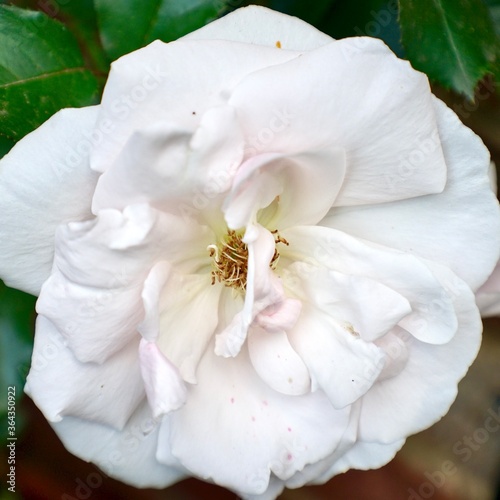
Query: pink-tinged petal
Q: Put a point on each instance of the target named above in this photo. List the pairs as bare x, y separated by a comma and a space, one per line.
459, 227
127, 455
433, 317
44, 181
255, 430
488, 296
276, 362
304, 186
280, 316
188, 318
379, 121
342, 365
60, 385
161, 82
367, 308
164, 386
260, 26
409, 402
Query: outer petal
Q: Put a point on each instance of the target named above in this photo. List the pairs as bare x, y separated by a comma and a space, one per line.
236, 430
409, 402
320, 105
61, 385
128, 455
459, 228
44, 181
260, 26
177, 82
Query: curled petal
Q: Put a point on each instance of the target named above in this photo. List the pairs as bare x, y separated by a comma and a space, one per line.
165, 388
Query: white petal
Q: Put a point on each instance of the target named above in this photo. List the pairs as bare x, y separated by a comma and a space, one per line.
61, 385
372, 105
235, 430
169, 167
148, 169
127, 455
304, 185
459, 227
188, 318
276, 363
44, 181
260, 26
179, 80
149, 328
433, 317
423, 391
368, 308
164, 386
343, 366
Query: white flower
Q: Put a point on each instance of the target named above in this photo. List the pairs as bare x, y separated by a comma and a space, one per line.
266, 247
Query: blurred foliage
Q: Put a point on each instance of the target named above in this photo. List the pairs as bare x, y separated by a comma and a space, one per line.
152, 19
453, 42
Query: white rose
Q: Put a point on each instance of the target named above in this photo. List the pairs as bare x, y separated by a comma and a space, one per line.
256, 258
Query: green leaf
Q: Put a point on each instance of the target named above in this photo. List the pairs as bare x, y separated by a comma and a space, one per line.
453, 42
6, 145
41, 71
127, 25
17, 313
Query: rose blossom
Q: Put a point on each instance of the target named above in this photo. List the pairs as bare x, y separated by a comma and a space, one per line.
256, 258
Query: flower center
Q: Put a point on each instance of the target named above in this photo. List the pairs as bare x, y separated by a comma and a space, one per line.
230, 259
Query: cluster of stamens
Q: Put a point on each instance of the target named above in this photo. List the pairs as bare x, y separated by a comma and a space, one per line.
231, 260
